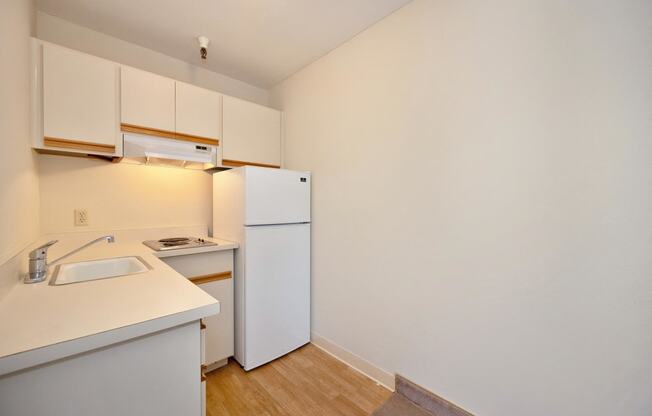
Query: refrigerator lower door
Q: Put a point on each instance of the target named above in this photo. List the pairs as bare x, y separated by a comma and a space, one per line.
276, 292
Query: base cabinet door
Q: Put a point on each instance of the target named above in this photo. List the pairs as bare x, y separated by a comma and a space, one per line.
219, 328
213, 273
153, 375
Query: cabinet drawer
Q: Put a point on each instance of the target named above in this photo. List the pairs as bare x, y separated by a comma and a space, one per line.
202, 264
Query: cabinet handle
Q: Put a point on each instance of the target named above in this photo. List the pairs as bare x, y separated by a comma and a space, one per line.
202, 372
200, 280
78, 145
202, 325
238, 163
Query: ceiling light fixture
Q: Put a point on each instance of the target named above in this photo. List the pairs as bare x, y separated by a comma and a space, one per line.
203, 46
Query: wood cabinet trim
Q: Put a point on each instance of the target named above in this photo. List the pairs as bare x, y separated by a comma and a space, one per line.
202, 372
77, 145
206, 278
131, 128
239, 163
112, 159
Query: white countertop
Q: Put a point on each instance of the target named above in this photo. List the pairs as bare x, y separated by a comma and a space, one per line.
40, 323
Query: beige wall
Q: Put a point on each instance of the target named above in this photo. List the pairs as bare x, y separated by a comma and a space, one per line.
65, 33
482, 201
18, 176
120, 196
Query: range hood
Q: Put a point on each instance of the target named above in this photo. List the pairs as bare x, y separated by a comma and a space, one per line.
158, 151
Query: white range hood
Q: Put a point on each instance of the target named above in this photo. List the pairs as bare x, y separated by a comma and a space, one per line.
159, 151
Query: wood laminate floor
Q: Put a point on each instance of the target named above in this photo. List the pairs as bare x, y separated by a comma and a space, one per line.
305, 382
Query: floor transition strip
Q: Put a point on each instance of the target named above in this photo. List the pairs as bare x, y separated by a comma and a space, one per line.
413, 400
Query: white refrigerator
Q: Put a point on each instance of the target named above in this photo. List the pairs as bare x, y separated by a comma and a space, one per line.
267, 212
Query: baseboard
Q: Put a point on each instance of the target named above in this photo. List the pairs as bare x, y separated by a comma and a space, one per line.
370, 370
427, 400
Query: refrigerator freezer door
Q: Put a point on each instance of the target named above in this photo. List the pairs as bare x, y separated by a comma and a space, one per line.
276, 196
277, 292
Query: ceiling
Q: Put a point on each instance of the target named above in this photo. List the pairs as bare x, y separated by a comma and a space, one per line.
260, 42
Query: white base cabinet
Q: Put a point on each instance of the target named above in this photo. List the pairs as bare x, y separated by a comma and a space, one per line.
158, 375
213, 272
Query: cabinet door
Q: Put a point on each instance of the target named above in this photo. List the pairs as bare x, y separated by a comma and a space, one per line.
219, 328
212, 272
80, 101
147, 100
198, 112
251, 134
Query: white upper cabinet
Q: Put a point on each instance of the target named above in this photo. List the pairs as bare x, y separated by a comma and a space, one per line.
251, 134
147, 100
80, 101
81, 104
198, 112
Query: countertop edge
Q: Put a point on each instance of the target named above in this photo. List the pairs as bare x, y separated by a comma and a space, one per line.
27, 359
194, 250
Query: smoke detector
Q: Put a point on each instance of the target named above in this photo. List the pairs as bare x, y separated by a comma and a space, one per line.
203, 46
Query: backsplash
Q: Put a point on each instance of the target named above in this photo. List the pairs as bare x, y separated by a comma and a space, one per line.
118, 196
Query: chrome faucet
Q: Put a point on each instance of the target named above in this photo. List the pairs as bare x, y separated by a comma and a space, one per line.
38, 263
38, 259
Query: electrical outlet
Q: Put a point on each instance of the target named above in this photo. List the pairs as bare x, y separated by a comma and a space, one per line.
81, 217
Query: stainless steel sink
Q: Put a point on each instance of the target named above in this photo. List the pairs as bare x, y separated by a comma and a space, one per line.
85, 271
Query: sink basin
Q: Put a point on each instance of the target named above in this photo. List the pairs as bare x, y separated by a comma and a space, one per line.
98, 269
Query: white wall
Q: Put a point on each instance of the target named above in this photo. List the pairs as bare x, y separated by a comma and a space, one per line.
18, 176
121, 196
482, 201
65, 33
